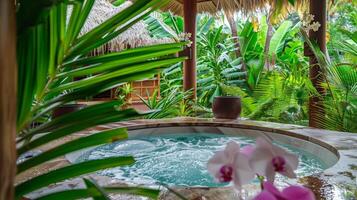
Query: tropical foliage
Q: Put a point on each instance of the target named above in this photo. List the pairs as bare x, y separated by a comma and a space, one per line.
340, 102
216, 65
173, 104
271, 73
51, 56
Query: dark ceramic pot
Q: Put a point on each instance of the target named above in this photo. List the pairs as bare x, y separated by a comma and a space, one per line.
67, 108
226, 107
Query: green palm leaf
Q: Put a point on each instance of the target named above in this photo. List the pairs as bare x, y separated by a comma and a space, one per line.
89, 192
51, 53
70, 172
277, 39
78, 144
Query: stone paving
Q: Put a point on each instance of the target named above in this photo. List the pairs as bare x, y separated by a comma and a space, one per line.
336, 182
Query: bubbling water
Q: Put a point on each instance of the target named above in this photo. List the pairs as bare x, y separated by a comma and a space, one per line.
180, 159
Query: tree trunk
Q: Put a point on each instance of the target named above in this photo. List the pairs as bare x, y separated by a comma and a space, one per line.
8, 82
267, 44
316, 107
233, 26
189, 67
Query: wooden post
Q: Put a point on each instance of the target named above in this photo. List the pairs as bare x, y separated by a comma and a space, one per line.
189, 70
8, 84
316, 108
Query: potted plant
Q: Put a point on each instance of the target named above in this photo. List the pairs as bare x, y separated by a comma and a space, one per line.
226, 107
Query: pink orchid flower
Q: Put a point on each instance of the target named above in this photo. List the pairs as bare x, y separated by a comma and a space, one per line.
270, 192
231, 165
248, 150
268, 159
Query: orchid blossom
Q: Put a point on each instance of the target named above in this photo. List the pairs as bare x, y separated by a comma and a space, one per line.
247, 150
231, 165
270, 192
239, 165
268, 159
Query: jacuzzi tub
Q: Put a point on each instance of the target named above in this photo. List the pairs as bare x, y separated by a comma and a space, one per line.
140, 136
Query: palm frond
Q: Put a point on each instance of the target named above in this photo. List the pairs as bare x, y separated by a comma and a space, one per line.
53, 56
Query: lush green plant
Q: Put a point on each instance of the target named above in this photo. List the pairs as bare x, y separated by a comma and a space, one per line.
171, 78
276, 86
277, 83
345, 50
251, 44
342, 16
258, 54
122, 94
274, 99
173, 104
164, 25
219, 67
51, 54
340, 83
277, 75
170, 26
340, 104
282, 94
216, 65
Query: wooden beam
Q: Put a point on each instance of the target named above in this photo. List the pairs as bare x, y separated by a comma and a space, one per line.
8, 85
316, 108
189, 71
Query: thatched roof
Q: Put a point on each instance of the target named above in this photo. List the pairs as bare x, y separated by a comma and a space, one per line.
213, 6
136, 36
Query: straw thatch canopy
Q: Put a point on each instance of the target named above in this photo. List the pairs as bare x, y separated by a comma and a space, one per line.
213, 6
136, 36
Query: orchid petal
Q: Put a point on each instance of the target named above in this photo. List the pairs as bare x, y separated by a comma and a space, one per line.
298, 193
288, 172
231, 150
264, 195
269, 186
270, 173
218, 160
291, 162
243, 172
260, 160
267, 159
223, 158
248, 150
291, 159
262, 142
